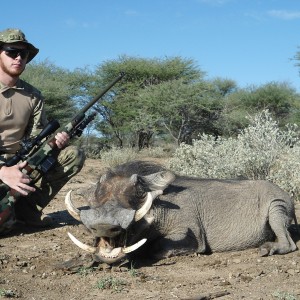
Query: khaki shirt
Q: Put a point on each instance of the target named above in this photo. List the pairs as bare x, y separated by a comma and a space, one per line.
21, 115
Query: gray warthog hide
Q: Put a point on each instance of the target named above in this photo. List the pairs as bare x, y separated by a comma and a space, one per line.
141, 203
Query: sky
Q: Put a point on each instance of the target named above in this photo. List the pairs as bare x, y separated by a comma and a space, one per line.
252, 42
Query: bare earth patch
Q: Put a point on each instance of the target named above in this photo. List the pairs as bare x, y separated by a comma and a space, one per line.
45, 264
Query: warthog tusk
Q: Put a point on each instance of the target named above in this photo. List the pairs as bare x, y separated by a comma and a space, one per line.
113, 253
140, 213
73, 211
81, 245
134, 246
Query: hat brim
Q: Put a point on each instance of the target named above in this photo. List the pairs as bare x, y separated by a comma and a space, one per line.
32, 50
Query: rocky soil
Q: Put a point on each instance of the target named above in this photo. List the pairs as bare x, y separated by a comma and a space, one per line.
45, 264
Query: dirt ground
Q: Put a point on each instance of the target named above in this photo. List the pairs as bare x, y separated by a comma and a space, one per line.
45, 264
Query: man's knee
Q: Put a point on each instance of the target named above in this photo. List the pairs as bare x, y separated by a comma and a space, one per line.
72, 159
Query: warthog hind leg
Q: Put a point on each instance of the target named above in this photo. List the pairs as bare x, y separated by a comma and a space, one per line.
279, 221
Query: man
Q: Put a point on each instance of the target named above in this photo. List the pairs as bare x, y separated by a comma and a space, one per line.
22, 115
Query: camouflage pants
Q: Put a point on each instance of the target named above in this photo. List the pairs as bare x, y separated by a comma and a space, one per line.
69, 163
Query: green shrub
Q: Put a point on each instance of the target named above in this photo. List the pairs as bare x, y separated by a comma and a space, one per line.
8, 293
284, 296
111, 283
260, 151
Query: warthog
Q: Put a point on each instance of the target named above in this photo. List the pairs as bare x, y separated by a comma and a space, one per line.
142, 204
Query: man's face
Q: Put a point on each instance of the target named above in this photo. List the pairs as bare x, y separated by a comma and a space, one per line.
13, 59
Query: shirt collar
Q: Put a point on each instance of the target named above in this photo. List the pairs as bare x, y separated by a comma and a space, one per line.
4, 87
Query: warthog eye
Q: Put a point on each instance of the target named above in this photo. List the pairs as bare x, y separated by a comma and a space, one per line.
140, 192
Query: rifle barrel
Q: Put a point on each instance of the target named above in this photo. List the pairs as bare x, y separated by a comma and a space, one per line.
96, 98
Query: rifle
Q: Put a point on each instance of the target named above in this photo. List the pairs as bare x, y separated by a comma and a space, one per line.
41, 151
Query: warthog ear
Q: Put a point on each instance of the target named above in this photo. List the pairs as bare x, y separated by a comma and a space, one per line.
134, 179
157, 181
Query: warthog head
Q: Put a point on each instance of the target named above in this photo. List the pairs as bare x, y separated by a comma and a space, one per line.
120, 209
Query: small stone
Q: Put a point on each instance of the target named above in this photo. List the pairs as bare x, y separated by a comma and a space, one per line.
291, 272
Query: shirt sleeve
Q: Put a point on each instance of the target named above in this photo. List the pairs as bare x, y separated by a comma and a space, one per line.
38, 118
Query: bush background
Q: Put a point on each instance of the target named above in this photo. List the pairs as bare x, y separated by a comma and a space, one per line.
260, 151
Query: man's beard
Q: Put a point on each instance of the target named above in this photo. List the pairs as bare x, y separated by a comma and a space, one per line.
12, 73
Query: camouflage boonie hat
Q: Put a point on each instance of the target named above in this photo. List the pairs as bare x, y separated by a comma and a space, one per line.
10, 35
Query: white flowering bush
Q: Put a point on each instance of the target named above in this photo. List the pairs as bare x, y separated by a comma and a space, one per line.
207, 157
260, 151
285, 171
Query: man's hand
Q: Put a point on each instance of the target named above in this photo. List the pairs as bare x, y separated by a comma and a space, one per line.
62, 140
15, 179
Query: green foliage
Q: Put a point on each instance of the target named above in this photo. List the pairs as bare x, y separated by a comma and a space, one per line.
132, 271
84, 271
224, 86
276, 97
232, 117
142, 72
171, 98
8, 293
123, 112
297, 58
260, 151
167, 98
59, 87
111, 283
182, 110
284, 296
279, 98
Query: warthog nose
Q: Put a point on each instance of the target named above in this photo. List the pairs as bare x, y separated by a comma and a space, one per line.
106, 230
